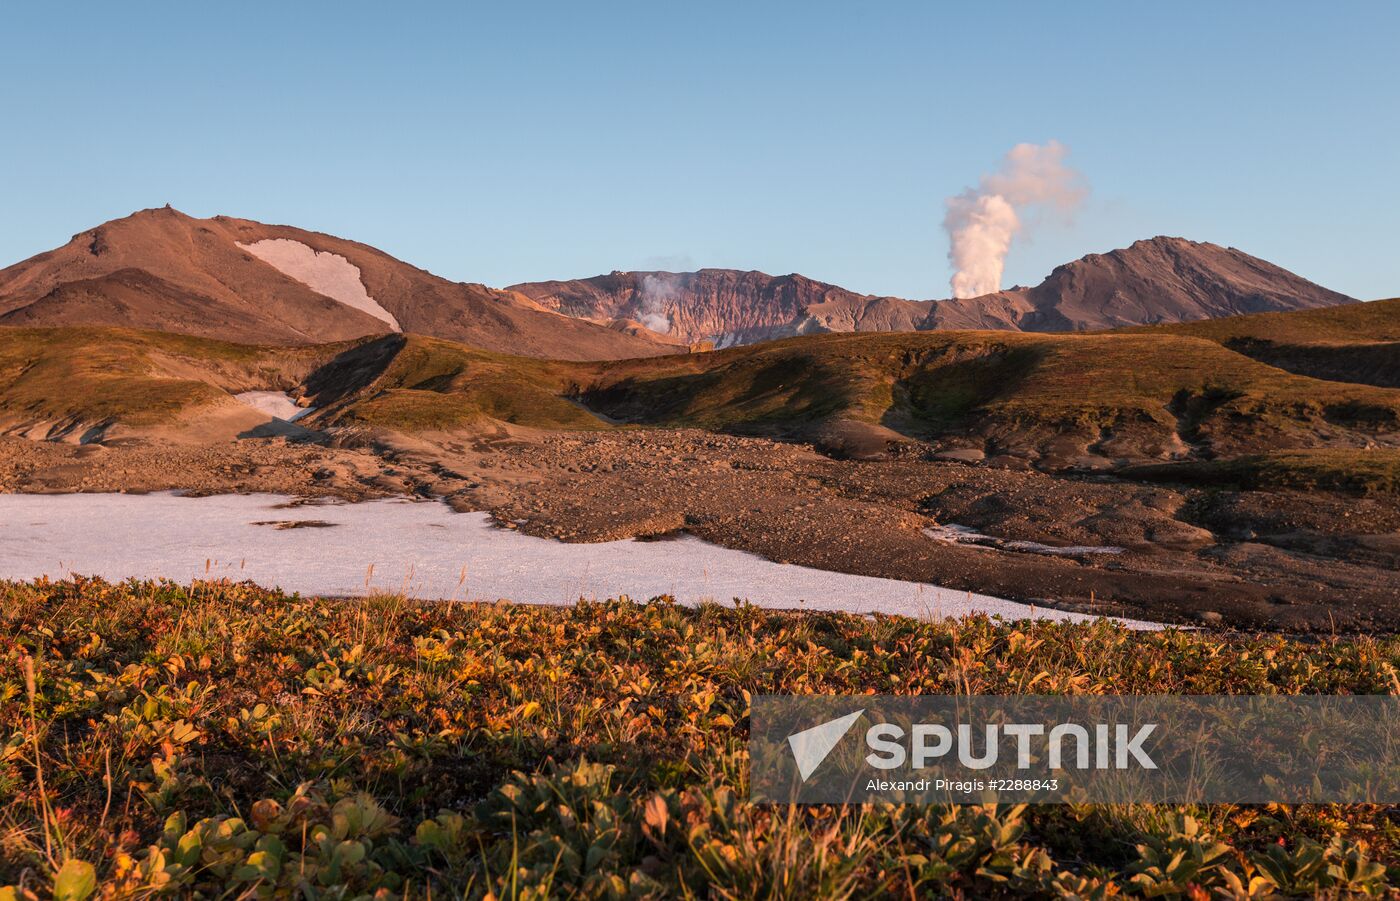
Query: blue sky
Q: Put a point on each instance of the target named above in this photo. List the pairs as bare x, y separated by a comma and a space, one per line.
509, 142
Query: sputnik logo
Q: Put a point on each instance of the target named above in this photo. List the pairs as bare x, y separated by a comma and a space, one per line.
811, 746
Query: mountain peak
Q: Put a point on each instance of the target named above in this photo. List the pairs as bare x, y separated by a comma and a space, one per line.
162, 269
152, 213
1166, 279
1157, 279
1166, 241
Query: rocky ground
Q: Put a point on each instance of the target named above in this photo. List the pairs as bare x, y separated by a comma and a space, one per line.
258, 465
1211, 557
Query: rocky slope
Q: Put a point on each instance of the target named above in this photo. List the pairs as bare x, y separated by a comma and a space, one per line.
1159, 280
725, 306
245, 281
1153, 281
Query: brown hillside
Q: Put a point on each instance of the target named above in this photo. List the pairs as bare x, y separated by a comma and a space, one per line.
161, 269
1154, 281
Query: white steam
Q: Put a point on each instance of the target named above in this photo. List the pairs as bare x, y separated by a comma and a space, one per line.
657, 291
982, 222
980, 229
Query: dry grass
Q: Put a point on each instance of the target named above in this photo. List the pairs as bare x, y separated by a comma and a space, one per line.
1146, 387
1364, 323
434, 385
134, 377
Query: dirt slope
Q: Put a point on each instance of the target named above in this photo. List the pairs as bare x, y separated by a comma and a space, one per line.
161, 269
471, 314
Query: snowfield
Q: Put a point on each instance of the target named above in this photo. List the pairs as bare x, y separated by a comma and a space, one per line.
423, 549
274, 403
325, 273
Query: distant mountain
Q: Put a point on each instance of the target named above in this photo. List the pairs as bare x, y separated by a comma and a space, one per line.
725, 306
1154, 281
1159, 280
244, 281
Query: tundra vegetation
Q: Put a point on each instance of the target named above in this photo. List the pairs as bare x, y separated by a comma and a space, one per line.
1202, 392
221, 740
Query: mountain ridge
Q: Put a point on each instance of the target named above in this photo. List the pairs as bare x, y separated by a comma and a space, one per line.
162, 269
1154, 280
248, 281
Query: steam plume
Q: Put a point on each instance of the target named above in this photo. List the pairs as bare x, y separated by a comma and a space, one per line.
982, 222
657, 291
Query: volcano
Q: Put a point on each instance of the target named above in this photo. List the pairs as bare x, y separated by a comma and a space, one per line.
1160, 280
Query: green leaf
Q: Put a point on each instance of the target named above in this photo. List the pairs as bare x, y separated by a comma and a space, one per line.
75, 881
188, 848
175, 825
261, 865
429, 833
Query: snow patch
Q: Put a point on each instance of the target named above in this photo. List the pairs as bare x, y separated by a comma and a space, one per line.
321, 271
425, 550
277, 404
952, 533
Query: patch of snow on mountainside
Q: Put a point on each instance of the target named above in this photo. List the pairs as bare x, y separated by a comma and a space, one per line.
273, 403
325, 273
